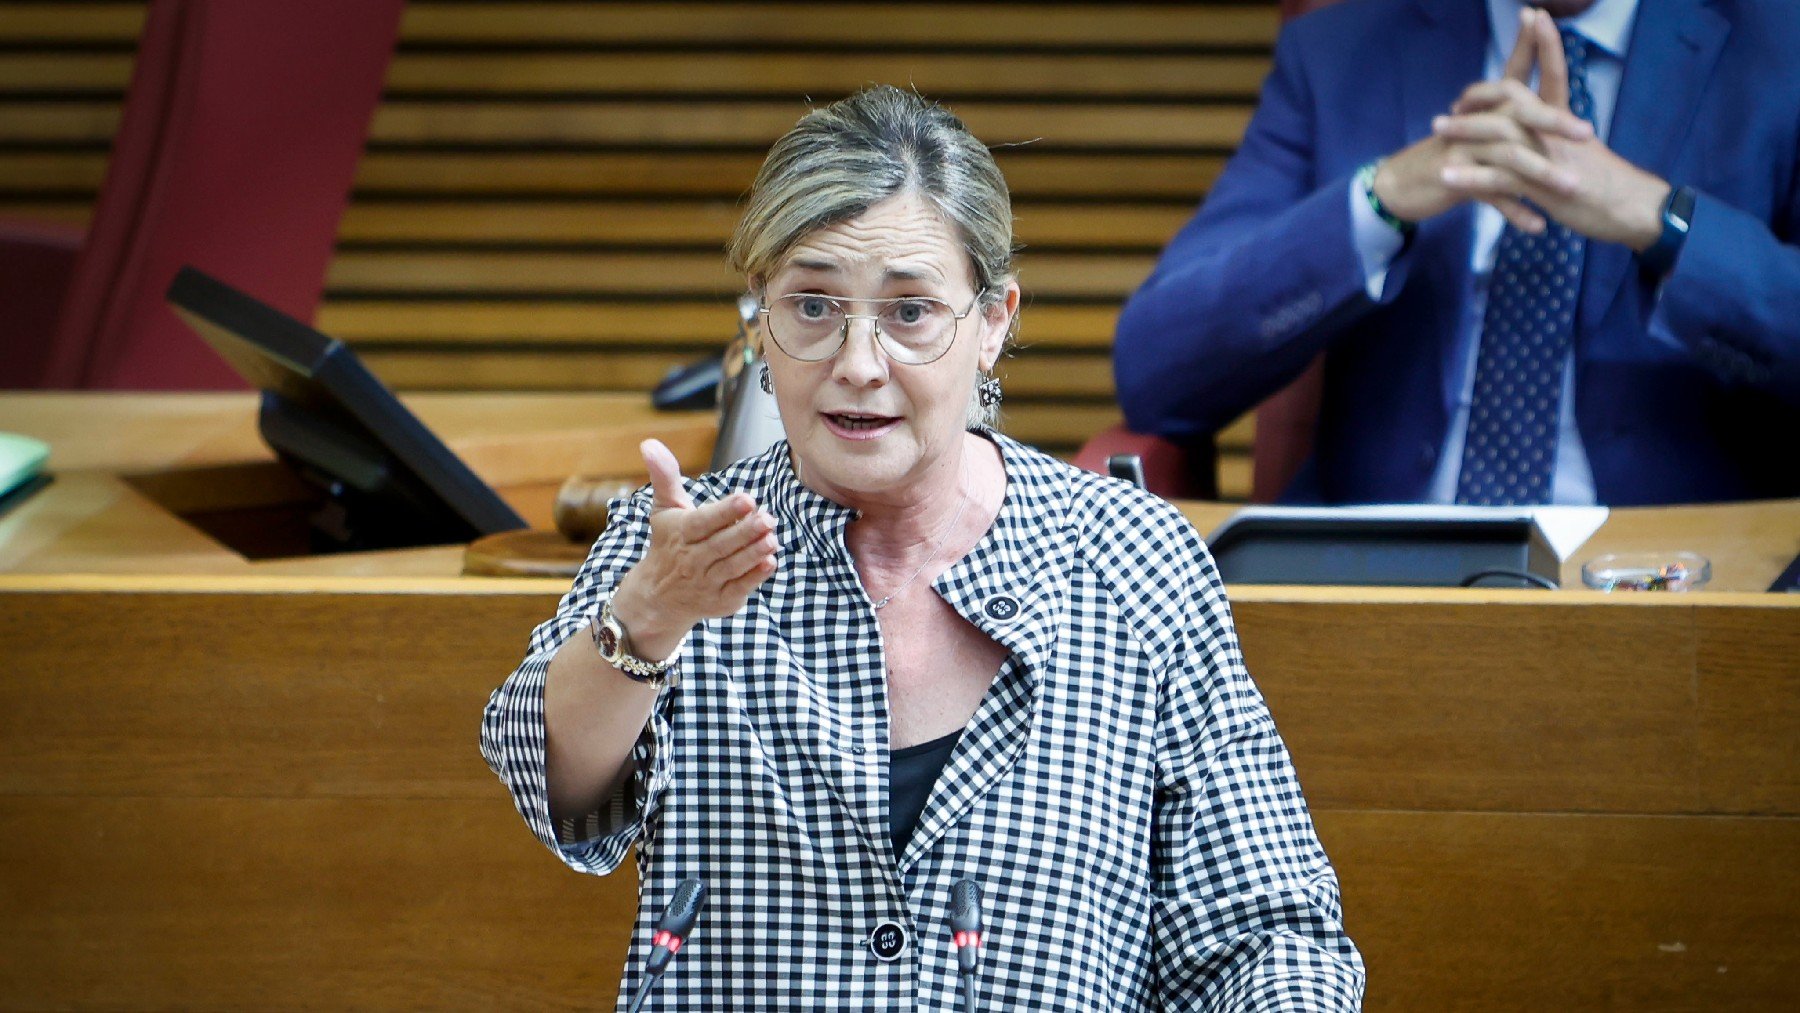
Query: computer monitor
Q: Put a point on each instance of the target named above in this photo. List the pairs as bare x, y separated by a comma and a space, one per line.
387, 481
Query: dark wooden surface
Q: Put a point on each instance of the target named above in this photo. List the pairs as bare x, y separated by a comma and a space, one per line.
232, 793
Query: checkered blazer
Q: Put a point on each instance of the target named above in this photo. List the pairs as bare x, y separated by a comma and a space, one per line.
1121, 794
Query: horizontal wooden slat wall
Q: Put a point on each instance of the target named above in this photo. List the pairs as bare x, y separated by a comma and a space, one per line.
548, 186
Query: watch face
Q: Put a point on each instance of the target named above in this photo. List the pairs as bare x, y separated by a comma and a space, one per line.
608, 639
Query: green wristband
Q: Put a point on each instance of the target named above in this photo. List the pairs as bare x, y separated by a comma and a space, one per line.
1365, 177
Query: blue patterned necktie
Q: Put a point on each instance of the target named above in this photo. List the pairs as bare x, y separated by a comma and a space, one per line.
1510, 453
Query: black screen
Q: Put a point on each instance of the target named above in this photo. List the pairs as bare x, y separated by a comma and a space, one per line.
388, 482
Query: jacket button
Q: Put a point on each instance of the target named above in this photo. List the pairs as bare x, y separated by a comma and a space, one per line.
887, 942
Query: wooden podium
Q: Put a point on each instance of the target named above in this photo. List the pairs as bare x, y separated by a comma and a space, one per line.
237, 783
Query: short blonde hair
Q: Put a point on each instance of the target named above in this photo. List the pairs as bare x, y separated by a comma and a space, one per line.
843, 159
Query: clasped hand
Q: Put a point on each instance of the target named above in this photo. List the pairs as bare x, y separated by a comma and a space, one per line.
1502, 143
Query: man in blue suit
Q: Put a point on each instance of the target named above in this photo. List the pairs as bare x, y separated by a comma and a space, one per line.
1582, 291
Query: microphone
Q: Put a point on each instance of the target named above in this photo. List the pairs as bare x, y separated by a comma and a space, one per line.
965, 921
672, 930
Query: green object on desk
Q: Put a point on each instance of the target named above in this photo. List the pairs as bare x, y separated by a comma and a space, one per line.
21, 460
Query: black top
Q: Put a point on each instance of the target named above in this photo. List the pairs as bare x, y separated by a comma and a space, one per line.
911, 773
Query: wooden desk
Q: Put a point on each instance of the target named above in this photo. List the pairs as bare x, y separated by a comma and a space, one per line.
258, 788
127, 465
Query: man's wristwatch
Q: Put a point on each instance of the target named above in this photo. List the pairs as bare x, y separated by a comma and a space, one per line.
1677, 216
615, 649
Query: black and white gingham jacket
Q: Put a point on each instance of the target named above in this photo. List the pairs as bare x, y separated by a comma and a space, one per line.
1121, 794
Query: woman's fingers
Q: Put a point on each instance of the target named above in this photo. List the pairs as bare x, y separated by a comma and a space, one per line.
744, 560
696, 552
700, 524
741, 532
706, 559
740, 588
665, 476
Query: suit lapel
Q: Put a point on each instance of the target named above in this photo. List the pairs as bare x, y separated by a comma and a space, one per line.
1673, 51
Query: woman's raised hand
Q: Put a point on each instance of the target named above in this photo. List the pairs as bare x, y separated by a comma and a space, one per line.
702, 563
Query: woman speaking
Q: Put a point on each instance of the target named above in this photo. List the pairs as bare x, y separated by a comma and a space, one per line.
899, 651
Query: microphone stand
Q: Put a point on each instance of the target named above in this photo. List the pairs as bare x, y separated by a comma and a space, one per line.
671, 931
965, 921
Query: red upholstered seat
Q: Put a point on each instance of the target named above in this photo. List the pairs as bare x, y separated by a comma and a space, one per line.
1170, 470
37, 259
235, 153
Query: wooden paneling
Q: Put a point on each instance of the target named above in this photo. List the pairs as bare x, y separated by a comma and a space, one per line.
237, 903
1538, 708
256, 794
391, 176
360, 714
228, 903
711, 124
674, 122
655, 222
1534, 706
703, 273
1030, 172
530, 154
851, 25
1080, 76
25, 123
69, 179
221, 903
28, 72
1545, 911
1749, 710
1083, 76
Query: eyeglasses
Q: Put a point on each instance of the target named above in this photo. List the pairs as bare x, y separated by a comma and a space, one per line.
913, 330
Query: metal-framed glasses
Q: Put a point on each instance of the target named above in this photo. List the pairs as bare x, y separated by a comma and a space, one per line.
914, 329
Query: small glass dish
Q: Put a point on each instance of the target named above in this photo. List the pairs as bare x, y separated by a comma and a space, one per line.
1646, 571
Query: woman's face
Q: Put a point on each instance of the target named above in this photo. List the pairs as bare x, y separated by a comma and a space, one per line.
861, 424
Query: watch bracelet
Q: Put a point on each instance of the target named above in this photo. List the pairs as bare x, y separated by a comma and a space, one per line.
633, 667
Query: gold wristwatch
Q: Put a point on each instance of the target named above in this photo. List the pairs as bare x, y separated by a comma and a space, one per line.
615, 649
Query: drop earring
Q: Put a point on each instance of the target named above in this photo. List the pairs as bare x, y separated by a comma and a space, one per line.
763, 381
988, 391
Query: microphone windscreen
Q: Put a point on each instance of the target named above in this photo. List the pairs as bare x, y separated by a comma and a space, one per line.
679, 917
965, 906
